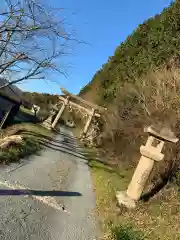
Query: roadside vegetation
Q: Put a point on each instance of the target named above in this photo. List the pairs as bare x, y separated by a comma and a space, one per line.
154, 99
26, 110
158, 218
31, 144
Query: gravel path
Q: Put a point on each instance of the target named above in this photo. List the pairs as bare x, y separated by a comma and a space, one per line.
49, 196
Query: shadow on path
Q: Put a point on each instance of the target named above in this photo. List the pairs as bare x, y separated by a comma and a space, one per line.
67, 145
12, 192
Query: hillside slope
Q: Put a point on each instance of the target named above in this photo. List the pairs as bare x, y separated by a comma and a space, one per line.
140, 85
152, 44
41, 99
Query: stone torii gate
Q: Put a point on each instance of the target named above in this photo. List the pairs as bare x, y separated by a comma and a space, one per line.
90, 108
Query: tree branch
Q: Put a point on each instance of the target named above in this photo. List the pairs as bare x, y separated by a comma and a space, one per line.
33, 39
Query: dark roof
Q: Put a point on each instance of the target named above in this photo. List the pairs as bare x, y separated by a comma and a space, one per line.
12, 91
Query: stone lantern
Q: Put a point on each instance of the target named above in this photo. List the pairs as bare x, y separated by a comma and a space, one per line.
150, 153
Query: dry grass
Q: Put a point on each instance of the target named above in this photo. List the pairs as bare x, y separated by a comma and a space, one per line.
157, 219
26, 110
153, 99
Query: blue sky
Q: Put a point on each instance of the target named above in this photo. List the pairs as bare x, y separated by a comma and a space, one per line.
103, 24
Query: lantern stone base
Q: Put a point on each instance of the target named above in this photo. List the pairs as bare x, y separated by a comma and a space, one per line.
124, 199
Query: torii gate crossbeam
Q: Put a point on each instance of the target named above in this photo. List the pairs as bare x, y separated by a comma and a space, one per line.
91, 112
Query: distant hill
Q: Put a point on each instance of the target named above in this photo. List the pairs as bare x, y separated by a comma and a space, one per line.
41, 99
44, 100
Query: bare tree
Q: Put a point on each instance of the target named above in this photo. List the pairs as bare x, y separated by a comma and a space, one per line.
33, 38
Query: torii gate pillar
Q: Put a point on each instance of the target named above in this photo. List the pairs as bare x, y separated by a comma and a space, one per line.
88, 123
65, 103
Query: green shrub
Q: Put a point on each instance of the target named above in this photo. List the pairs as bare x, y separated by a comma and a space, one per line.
29, 146
125, 233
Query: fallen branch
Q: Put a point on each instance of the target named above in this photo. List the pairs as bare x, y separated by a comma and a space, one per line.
7, 141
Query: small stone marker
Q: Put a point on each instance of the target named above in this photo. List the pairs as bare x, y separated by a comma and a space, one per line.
151, 152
